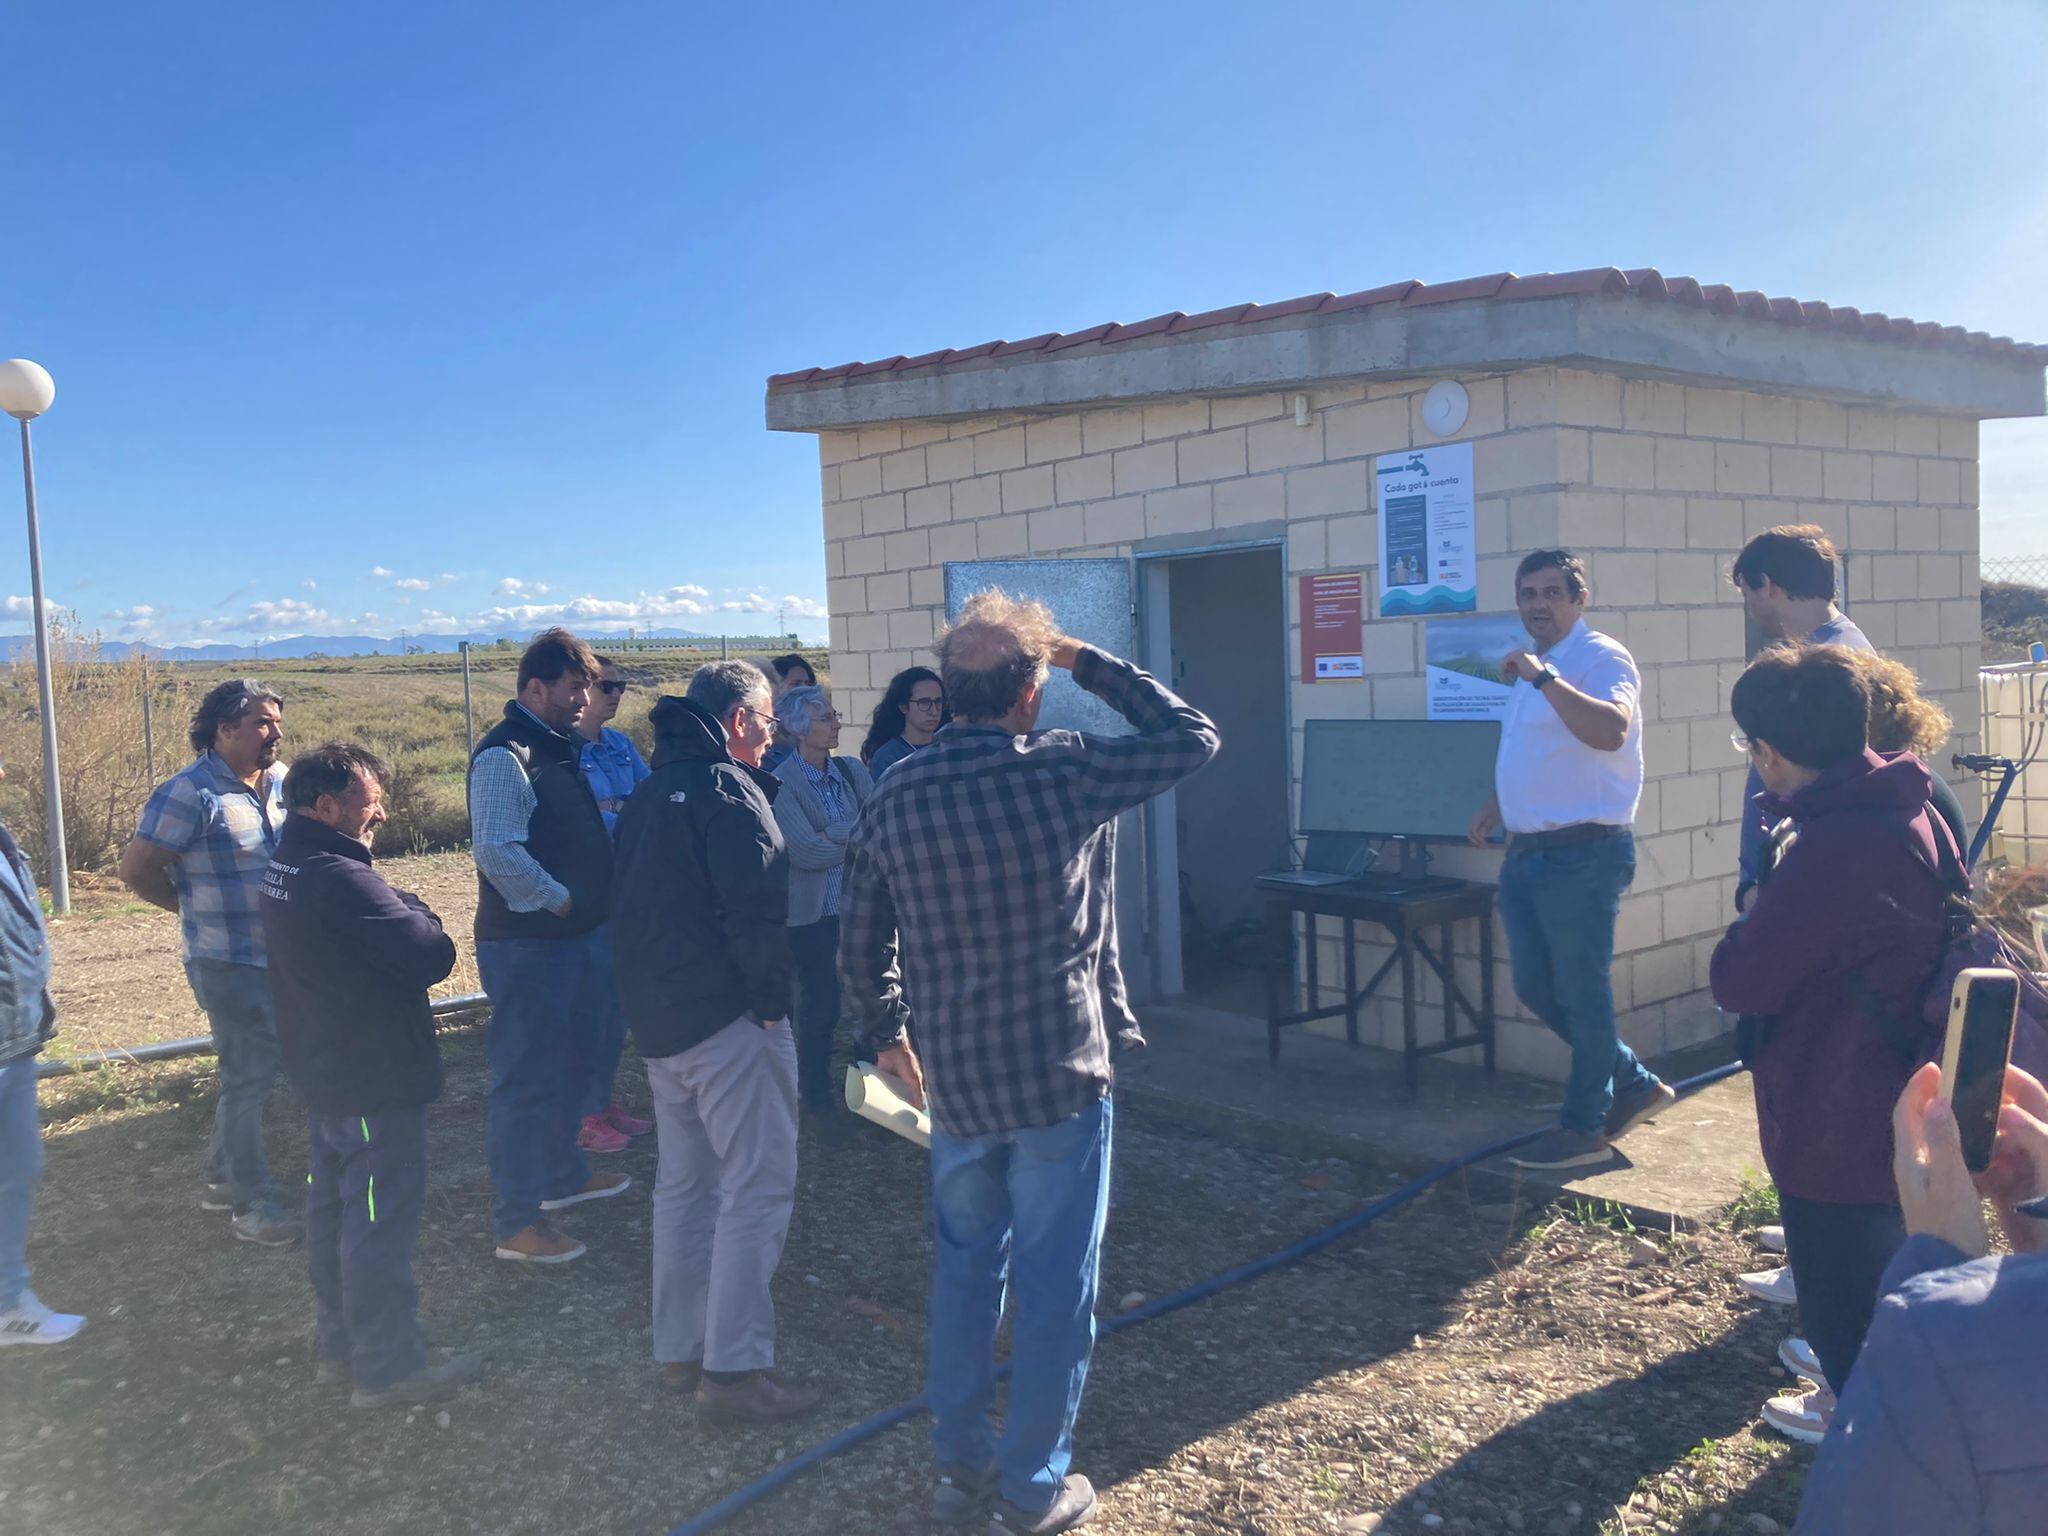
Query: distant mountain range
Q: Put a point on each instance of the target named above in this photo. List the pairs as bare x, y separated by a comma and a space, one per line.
298, 647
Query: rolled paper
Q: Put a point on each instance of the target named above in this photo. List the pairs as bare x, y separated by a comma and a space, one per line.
876, 1095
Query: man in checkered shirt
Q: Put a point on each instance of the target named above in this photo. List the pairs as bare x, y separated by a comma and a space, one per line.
987, 862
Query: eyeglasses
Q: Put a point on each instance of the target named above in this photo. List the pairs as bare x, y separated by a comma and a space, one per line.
1742, 742
760, 715
613, 689
925, 704
831, 717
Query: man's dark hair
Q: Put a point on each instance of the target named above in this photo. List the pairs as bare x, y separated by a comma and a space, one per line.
224, 704
1799, 557
1564, 560
331, 768
1810, 702
784, 665
553, 653
720, 686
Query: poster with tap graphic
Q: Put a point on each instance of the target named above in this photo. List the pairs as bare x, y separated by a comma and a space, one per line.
1429, 560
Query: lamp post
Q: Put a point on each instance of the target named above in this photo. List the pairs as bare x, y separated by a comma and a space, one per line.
26, 391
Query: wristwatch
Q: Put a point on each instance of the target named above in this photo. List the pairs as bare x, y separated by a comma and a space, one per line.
1544, 678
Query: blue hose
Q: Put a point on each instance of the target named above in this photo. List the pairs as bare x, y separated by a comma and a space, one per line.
771, 1482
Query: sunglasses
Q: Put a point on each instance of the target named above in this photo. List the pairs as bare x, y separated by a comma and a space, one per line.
613, 690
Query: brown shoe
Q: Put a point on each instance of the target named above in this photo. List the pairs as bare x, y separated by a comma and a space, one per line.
763, 1398
682, 1376
602, 1186
1627, 1113
540, 1244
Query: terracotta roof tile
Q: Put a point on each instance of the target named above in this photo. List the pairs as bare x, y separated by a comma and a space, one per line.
1643, 283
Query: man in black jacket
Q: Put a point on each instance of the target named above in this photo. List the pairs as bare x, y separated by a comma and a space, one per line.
700, 904
351, 960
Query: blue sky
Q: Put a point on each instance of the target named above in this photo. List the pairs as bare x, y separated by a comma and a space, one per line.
471, 294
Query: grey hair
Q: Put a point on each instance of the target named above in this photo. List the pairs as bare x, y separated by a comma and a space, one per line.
224, 704
720, 687
800, 708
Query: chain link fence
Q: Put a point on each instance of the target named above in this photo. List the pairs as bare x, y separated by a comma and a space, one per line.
2027, 570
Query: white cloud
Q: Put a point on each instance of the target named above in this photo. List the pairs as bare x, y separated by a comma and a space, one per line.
448, 578
382, 573
412, 584
286, 615
310, 584
512, 586
598, 613
25, 607
806, 608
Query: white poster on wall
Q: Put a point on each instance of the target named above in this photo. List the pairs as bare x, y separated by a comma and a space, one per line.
1462, 664
1429, 561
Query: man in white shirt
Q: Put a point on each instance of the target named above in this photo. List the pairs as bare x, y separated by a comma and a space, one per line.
1566, 784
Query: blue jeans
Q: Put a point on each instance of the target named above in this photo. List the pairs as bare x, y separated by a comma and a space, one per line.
816, 949
366, 1187
547, 1002
244, 1025
608, 1038
1558, 906
21, 1164
1028, 1207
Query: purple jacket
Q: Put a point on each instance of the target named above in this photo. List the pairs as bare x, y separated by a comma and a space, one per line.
1941, 1426
1847, 930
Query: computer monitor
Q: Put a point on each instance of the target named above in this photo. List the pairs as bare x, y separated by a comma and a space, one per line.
1411, 779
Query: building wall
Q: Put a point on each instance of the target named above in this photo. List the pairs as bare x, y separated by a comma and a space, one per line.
1657, 484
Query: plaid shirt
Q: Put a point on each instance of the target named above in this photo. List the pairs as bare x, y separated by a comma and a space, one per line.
988, 857
224, 833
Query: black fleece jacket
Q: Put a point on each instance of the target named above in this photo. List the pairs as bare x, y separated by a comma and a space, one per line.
700, 893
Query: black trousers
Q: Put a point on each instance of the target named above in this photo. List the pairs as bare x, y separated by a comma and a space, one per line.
1838, 1254
367, 1186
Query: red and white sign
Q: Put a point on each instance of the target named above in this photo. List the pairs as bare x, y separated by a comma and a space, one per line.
1333, 627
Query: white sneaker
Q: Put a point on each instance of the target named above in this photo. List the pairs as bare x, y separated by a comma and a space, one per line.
1797, 1356
1772, 1285
30, 1322
1802, 1416
1771, 1239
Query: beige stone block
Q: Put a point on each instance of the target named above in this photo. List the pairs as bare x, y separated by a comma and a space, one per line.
1390, 645
1624, 460
997, 451
954, 541
1176, 418
1622, 578
1353, 541
928, 586
865, 555
844, 595
950, 460
1640, 923
1940, 482
828, 483
837, 447
1307, 547
1487, 412
1372, 427
1257, 499
1211, 456
1959, 529
1962, 620
1116, 522
875, 440
1918, 623
901, 471
835, 559
980, 497
1872, 528
1656, 636
848, 670
1663, 861
1650, 406
1054, 437
1102, 431
973, 427
1661, 973
1692, 800
1335, 394
1713, 413
1282, 444
1497, 582
1845, 476
1713, 523
842, 520
1870, 429
1717, 633
1690, 692
1515, 461
1058, 528
1398, 698
1185, 509
907, 549
1001, 537
888, 591
1795, 472
1328, 490
868, 631
1532, 398
1823, 424
1832, 517
1916, 434
1585, 399
1856, 582
1759, 513
1770, 418
1893, 478
1684, 464
1025, 490
1654, 520
1742, 469
1958, 437
1968, 477
1919, 527
928, 504
1588, 520
1574, 463
882, 514
910, 628
1879, 623
1534, 520
1690, 577
1149, 468
1940, 576
1713, 849
1237, 410
917, 433
1892, 577
1490, 524
860, 478
1667, 748
1089, 479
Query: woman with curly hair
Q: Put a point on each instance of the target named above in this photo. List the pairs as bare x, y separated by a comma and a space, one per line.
1903, 720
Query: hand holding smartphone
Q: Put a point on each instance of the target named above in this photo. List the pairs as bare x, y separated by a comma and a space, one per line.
1982, 1010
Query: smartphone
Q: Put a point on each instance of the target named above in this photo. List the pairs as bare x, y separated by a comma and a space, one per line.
1981, 1013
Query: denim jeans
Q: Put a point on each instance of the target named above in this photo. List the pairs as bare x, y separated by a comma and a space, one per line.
1558, 906
1026, 1207
366, 1187
547, 1001
239, 1012
816, 948
608, 1039
1838, 1255
21, 1164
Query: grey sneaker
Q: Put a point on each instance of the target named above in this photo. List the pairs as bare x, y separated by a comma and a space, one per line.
1074, 1505
1562, 1149
216, 1197
438, 1378
961, 1495
265, 1226
1628, 1112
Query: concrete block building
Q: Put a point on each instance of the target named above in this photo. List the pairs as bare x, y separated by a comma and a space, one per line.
1650, 424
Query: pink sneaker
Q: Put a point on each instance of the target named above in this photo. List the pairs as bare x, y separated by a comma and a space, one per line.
625, 1124
597, 1136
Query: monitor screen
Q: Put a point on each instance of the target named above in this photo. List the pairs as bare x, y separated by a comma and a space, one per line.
1396, 778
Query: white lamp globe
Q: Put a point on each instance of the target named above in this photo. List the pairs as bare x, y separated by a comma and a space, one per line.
26, 389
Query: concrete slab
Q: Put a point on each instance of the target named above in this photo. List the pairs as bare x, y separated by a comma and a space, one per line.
1208, 1070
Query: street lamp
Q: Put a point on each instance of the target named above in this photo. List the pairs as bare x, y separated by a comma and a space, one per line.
26, 391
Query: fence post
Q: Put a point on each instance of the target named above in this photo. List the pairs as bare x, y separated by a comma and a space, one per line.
723, 653
148, 736
468, 714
